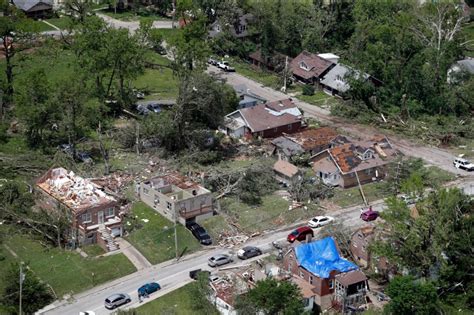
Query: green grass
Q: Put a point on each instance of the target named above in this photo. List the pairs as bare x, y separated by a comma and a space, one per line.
160, 83
468, 31
351, 196
15, 145
177, 302
62, 22
264, 77
39, 26
435, 176
93, 250
215, 226
317, 98
6, 259
132, 16
272, 212
155, 239
67, 271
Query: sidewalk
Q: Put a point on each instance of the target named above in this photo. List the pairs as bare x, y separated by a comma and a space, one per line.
138, 260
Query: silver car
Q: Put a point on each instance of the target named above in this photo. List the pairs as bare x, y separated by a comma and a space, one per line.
219, 260
116, 300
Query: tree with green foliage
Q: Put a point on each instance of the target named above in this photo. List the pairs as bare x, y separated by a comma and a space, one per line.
435, 244
16, 34
408, 296
271, 297
199, 292
35, 293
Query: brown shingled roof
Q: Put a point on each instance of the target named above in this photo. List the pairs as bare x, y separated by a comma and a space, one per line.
351, 277
285, 168
259, 117
316, 65
313, 137
345, 157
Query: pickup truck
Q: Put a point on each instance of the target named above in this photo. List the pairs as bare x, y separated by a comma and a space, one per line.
224, 65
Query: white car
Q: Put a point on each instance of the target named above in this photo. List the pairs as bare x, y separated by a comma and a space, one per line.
463, 164
224, 65
320, 221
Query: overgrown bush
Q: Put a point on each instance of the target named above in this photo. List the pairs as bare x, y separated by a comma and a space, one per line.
308, 89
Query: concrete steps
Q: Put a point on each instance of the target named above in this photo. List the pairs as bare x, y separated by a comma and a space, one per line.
110, 242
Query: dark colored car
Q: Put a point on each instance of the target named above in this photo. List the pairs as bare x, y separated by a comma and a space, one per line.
149, 288
116, 300
248, 252
300, 234
194, 274
369, 215
199, 233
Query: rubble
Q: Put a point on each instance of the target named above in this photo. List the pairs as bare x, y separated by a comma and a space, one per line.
114, 182
226, 239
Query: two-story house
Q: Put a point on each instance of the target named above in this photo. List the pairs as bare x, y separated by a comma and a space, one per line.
318, 264
177, 198
94, 215
310, 68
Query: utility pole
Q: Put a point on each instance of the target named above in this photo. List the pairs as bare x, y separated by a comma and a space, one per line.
175, 234
285, 73
22, 278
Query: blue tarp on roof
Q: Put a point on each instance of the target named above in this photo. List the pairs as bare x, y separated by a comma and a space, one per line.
321, 257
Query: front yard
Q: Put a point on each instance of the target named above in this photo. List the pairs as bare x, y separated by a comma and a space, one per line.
177, 302
65, 271
271, 213
160, 83
153, 235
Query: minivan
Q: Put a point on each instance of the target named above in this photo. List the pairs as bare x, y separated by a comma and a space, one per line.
300, 234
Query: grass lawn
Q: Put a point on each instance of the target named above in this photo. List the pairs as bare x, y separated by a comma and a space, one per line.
468, 30
351, 196
265, 77
62, 22
155, 238
271, 213
177, 302
160, 83
436, 176
132, 16
93, 250
216, 226
39, 26
6, 259
317, 98
67, 271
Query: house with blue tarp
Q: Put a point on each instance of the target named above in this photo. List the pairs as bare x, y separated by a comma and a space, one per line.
326, 279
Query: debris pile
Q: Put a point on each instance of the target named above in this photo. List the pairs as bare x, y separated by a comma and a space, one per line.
227, 240
114, 182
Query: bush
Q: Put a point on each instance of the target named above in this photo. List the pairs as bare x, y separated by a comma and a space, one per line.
308, 89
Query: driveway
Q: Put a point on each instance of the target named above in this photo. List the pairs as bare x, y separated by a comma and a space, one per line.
432, 155
138, 260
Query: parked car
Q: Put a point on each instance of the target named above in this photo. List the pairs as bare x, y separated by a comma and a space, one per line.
219, 260
194, 274
300, 234
320, 221
369, 215
248, 252
212, 61
199, 233
116, 300
145, 109
224, 65
463, 164
409, 199
148, 288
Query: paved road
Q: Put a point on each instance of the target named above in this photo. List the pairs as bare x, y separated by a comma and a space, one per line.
172, 275
434, 156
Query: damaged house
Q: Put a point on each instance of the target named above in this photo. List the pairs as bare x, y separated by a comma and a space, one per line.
311, 141
94, 215
310, 68
264, 120
354, 163
325, 278
177, 198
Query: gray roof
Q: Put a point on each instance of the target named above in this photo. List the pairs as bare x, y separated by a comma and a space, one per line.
467, 64
27, 5
288, 147
335, 78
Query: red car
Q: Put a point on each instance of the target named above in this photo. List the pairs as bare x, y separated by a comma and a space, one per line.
300, 234
369, 215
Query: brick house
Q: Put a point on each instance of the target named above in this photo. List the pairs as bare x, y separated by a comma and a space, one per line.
355, 162
318, 264
94, 215
311, 140
310, 68
177, 197
268, 120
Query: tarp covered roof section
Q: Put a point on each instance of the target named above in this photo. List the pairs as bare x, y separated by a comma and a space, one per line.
321, 257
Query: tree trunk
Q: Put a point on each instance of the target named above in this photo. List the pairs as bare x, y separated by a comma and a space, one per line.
9, 53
